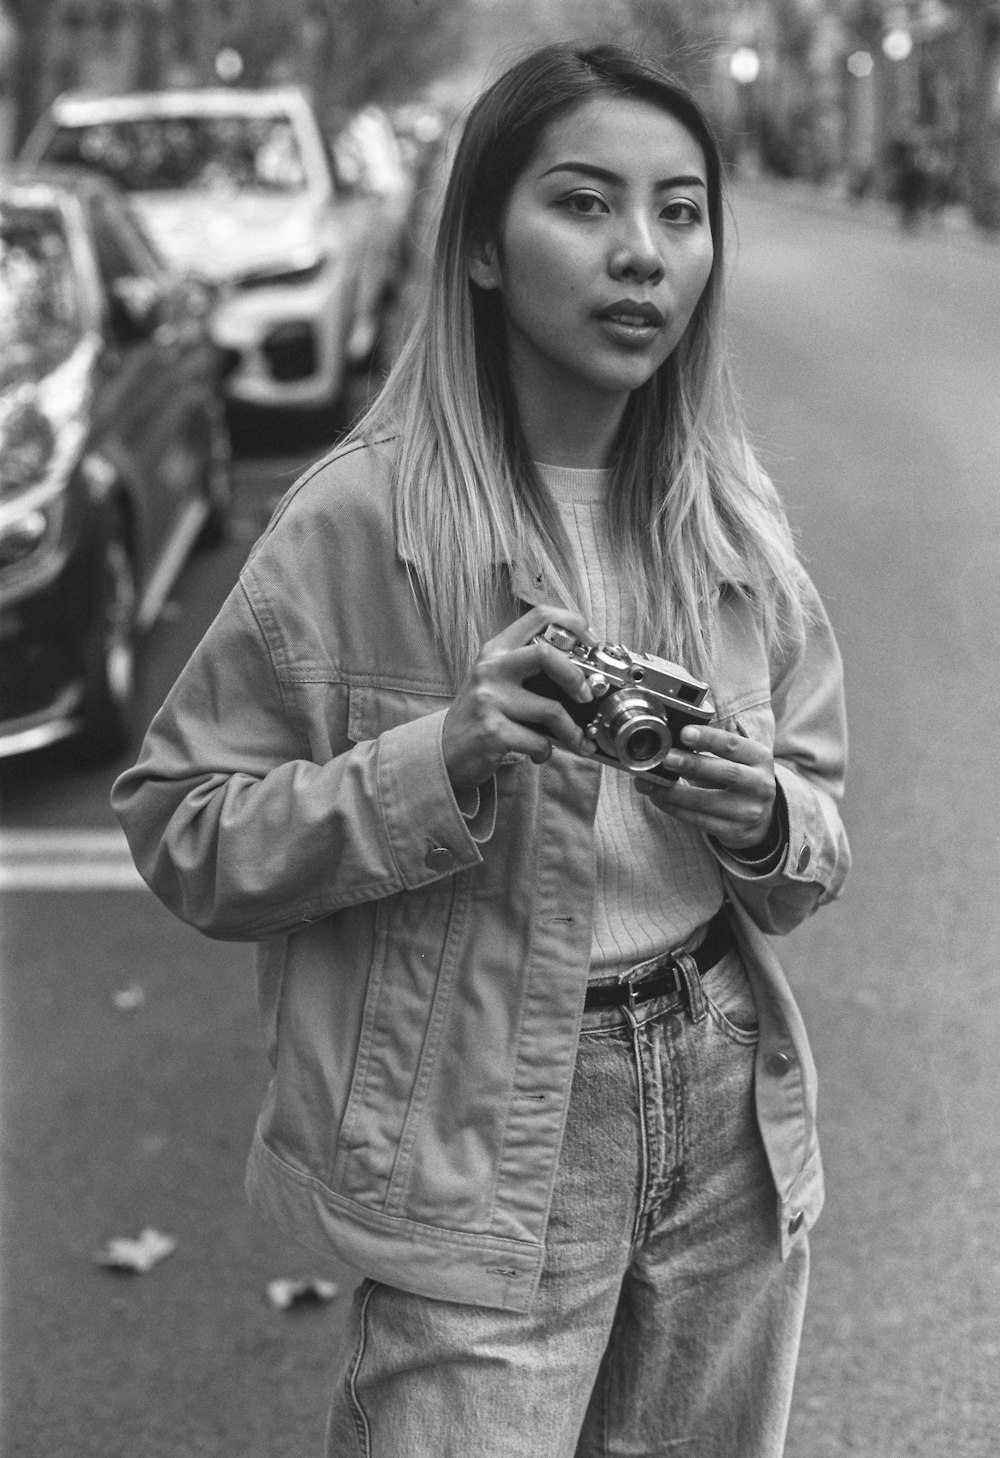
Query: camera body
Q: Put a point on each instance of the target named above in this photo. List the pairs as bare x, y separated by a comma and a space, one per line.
641, 702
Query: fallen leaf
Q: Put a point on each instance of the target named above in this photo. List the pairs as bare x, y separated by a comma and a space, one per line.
139, 1255
284, 1293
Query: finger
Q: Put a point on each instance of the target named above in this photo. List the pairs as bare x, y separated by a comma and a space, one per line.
713, 773
536, 621
522, 739
517, 664
708, 738
721, 826
533, 709
695, 804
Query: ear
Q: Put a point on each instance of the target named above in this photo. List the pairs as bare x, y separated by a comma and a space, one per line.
482, 261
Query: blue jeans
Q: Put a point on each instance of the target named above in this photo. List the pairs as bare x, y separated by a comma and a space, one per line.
665, 1322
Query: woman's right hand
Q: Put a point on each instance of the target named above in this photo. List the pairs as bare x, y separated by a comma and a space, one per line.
494, 715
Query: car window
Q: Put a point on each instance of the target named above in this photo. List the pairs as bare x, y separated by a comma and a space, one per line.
157, 154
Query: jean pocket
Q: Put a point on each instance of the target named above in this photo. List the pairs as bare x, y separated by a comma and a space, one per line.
730, 1000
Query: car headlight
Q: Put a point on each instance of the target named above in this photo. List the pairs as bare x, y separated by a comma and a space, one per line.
43, 426
22, 536
30, 492
27, 445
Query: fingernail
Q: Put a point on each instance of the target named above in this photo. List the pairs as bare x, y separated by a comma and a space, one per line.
673, 759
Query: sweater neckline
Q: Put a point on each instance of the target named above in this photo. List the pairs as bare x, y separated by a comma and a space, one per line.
576, 485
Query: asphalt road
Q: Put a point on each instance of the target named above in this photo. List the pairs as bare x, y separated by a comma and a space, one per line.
870, 363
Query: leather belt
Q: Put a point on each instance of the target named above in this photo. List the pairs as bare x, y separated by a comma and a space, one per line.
664, 974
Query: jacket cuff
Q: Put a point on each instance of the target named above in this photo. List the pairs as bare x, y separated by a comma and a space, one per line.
755, 866
427, 833
811, 850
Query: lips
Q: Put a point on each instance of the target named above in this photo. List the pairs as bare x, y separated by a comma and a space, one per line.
632, 314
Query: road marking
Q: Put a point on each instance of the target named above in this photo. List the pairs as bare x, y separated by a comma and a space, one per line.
67, 860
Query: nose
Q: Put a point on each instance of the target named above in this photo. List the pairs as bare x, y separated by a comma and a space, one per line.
636, 255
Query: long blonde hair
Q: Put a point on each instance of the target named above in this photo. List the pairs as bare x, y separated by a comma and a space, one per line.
690, 512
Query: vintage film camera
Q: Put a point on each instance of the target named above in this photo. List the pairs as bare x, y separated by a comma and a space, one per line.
641, 702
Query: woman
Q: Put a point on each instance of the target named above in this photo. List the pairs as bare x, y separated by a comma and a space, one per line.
537, 1074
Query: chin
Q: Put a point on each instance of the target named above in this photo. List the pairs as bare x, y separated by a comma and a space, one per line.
625, 381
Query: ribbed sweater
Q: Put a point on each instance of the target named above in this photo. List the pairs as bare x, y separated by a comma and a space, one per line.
656, 878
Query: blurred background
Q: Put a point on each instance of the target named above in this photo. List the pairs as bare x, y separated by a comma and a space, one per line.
215, 218
822, 90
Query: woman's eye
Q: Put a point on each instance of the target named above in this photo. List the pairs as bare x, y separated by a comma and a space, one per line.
682, 211
585, 203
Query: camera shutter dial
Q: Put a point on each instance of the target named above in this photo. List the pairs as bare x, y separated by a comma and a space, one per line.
560, 637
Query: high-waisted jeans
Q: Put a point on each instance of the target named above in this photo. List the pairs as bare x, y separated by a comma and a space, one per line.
665, 1322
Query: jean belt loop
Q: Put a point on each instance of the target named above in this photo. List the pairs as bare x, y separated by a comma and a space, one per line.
628, 1008
690, 977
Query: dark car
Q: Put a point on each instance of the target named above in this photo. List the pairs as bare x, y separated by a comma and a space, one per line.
114, 455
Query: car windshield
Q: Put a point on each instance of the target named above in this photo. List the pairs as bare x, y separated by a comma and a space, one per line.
157, 154
40, 315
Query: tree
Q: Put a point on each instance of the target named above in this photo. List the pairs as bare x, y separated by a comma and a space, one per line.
386, 49
981, 34
32, 19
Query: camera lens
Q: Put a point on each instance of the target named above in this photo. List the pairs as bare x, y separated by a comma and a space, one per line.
632, 730
643, 744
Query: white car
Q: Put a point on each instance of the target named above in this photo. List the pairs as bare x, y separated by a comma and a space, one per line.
370, 162
237, 187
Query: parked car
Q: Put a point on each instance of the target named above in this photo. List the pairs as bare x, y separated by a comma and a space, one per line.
370, 162
238, 187
114, 455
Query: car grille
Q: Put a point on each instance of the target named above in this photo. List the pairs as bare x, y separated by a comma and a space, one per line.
290, 351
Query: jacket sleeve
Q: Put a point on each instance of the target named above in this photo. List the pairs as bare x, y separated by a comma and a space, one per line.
810, 756
244, 836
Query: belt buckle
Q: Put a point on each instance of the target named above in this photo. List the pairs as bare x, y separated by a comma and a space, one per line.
667, 963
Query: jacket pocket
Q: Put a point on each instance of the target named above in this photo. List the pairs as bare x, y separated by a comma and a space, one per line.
374, 709
410, 985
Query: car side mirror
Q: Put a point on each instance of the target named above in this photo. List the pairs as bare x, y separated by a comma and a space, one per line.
135, 308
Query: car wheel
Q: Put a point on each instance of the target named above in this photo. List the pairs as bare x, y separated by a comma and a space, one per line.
110, 654
217, 477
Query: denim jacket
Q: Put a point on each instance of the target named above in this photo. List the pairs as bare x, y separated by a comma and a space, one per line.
422, 970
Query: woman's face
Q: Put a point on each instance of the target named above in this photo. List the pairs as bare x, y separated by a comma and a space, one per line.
604, 251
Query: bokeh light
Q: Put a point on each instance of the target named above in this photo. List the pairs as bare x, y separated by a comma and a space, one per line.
897, 44
744, 65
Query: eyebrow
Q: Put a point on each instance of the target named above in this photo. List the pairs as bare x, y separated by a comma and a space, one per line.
589, 169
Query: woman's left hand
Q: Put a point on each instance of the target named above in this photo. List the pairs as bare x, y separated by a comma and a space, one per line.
726, 790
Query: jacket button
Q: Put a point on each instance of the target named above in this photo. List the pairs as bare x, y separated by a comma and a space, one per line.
439, 858
805, 856
795, 1223
778, 1064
